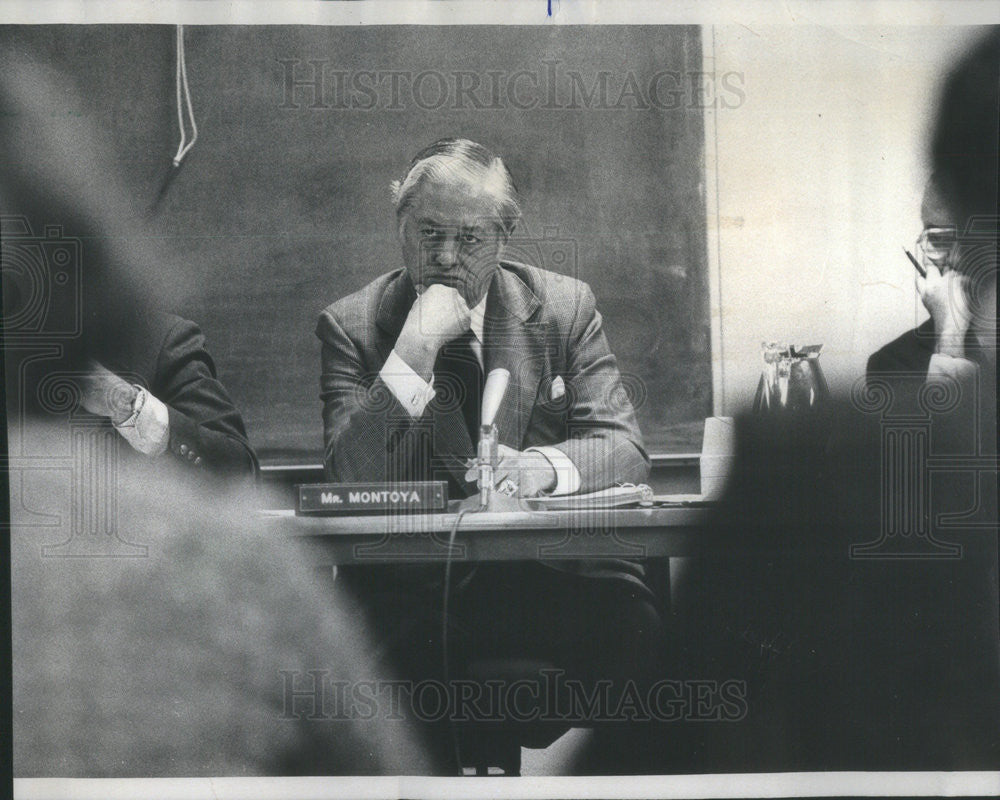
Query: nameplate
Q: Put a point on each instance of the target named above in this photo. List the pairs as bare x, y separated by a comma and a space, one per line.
355, 498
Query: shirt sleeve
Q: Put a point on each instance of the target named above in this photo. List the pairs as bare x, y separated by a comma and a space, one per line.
148, 429
567, 475
412, 391
961, 370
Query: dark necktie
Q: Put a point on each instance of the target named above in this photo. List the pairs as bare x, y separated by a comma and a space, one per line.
458, 366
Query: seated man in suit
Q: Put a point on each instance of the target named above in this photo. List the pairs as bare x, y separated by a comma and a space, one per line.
157, 386
396, 353
402, 367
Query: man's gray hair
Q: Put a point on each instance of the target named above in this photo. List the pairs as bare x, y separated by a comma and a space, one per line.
463, 160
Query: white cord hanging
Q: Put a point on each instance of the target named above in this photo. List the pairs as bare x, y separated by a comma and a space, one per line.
182, 81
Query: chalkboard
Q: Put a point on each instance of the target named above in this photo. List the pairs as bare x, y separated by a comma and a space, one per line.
283, 206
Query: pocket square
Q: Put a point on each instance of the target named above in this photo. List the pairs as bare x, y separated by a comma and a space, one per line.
558, 388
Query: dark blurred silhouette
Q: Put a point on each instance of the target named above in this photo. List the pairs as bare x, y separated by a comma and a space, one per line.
182, 663
964, 143
857, 590
86, 288
155, 618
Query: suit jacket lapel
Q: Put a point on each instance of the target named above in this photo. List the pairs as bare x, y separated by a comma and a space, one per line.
517, 343
395, 304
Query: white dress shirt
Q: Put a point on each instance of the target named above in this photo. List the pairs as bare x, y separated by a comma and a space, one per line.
414, 393
147, 429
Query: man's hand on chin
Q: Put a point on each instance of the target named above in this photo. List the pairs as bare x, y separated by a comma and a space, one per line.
532, 472
438, 315
945, 295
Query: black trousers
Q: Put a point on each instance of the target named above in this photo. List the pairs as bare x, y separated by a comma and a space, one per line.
595, 635
593, 628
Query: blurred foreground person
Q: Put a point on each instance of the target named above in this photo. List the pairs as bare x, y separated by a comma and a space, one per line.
85, 288
158, 629
217, 653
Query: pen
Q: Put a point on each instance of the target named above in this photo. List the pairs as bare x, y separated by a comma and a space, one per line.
916, 264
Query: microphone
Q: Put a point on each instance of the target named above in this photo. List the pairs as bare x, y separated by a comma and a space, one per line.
493, 393
486, 453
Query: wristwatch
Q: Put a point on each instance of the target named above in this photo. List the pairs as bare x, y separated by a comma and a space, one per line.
138, 401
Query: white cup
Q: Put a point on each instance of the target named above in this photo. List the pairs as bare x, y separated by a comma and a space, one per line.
718, 451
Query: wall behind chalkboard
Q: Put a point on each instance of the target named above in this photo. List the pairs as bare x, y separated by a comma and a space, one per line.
283, 204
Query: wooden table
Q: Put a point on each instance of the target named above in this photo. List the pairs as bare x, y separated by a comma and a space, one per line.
665, 531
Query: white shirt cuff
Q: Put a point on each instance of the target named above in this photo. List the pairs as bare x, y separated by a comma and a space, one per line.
412, 391
567, 475
148, 431
958, 369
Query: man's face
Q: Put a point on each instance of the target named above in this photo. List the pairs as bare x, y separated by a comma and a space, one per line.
450, 234
942, 247
937, 243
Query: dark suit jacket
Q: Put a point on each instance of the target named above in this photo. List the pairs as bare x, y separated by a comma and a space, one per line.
539, 325
900, 368
909, 353
166, 354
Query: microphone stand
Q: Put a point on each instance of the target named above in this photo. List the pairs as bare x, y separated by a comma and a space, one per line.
487, 454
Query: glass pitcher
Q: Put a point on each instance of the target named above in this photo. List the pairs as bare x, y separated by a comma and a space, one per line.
791, 381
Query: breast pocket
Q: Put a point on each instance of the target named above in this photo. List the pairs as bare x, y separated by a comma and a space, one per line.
552, 409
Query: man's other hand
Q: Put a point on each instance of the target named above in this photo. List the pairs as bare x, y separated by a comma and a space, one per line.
532, 472
436, 317
946, 298
105, 394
